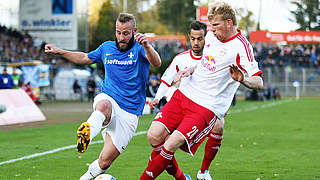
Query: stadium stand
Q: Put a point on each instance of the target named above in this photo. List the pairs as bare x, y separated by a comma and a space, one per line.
281, 64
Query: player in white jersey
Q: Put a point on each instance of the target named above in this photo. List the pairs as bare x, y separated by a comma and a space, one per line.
205, 92
187, 59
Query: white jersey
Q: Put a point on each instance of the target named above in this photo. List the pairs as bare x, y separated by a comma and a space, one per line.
180, 62
211, 84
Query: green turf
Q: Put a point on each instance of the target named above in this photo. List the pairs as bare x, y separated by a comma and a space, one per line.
262, 140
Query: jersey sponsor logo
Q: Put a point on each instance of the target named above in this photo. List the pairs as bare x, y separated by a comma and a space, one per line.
117, 62
209, 62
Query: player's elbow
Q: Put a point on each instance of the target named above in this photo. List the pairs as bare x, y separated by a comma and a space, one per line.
259, 83
157, 63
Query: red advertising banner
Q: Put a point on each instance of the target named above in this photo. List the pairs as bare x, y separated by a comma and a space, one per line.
310, 37
202, 16
19, 107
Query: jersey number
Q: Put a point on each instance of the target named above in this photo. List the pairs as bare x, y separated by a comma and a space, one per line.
193, 132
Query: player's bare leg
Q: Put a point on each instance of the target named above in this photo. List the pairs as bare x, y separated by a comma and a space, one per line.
90, 129
211, 149
108, 154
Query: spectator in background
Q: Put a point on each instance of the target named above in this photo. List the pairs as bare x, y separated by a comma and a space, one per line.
6, 81
28, 89
153, 86
15, 78
91, 89
77, 88
152, 89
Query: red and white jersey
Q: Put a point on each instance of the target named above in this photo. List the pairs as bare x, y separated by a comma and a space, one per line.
211, 84
181, 61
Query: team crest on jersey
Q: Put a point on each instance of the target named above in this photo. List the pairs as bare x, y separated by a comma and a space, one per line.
209, 63
130, 55
223, 52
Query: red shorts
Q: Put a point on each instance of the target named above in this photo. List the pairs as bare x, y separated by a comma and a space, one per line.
193, 121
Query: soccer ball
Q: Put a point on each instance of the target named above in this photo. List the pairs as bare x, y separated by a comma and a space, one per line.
3, 108
105, 177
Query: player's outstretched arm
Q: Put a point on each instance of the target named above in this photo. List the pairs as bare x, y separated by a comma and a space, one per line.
254, 82
75, 57
151, 54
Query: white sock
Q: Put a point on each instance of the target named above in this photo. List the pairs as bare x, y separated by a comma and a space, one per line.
94, 170
95, 120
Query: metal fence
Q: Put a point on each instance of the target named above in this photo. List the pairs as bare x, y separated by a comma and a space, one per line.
307, 79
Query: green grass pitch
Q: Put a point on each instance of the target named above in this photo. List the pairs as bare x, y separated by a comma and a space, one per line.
272, 140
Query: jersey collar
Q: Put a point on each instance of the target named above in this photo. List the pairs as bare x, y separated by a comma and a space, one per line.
194, 57
233, 37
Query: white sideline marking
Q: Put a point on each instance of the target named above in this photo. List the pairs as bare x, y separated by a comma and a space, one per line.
141, 132
263, 106
56, 150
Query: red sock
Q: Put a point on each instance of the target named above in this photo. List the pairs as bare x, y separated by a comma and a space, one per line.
211, 149
156, 150
174, 170
157, 165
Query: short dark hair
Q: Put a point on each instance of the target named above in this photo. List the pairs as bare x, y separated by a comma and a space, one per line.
126, 17
197, 25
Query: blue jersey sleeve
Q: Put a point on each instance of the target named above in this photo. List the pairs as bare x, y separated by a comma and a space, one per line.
143, 53
95, 56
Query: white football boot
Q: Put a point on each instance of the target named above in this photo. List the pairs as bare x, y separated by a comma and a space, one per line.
204, 176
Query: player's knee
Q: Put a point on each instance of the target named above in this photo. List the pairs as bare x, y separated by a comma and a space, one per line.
105, 107
219, 126
156, 134
174, 142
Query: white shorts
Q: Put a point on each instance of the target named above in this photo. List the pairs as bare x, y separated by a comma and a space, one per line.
122, 125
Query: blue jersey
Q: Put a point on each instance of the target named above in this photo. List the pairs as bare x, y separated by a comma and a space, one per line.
126, 74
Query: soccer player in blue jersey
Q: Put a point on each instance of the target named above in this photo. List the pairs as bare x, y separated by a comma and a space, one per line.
122, 98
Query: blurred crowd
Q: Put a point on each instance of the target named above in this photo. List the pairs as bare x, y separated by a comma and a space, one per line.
17, 47
293, 55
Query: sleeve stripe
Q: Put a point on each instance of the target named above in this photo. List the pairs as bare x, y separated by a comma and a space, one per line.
238, 63
165, 83
257, 73
247, 48
177, 68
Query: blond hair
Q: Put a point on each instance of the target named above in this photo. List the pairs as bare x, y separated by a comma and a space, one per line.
224, 10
